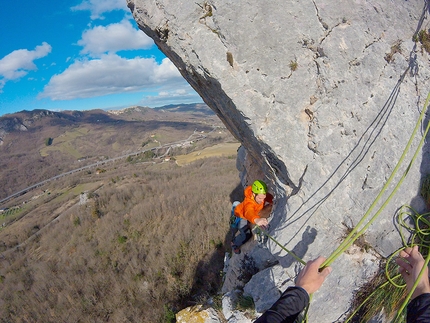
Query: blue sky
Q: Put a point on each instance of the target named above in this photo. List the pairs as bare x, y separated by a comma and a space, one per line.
80, 55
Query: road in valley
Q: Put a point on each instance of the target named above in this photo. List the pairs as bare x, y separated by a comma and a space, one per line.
195, 136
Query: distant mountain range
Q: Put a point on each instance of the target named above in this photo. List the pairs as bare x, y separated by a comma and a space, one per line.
23, 120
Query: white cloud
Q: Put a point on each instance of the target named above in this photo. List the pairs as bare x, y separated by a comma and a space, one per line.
175, 93
183, 95
113, 38
112, 74
165, 70
98, 7
18, 63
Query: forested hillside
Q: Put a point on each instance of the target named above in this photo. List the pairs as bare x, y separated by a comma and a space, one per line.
134, 240
148, 242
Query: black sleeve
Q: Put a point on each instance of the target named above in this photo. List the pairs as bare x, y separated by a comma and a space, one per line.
287, 307
419, 309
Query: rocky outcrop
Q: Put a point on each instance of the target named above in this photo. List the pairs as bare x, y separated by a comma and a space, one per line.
21, 121
323, 95
8, 125
197, 314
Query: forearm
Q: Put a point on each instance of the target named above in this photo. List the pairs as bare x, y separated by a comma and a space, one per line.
419, 309
265, 212
287, 307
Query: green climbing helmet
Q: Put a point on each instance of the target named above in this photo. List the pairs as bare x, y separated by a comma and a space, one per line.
259, 187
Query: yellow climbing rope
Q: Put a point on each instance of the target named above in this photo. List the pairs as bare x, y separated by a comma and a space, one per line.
420, 234
355, 233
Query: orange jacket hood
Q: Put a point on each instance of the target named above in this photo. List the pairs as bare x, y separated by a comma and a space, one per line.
249, 208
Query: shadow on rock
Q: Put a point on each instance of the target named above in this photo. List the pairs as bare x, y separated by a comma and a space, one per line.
300, 249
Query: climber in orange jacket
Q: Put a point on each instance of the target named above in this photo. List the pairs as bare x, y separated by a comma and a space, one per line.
255, 209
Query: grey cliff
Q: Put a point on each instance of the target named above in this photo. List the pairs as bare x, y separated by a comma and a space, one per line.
324, 96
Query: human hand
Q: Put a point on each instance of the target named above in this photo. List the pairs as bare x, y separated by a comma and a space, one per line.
411, 262
261, 222
310, 278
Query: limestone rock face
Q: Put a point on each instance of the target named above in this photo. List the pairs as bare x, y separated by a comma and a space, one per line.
323, 95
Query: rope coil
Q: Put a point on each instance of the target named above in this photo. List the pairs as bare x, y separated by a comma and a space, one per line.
420, 233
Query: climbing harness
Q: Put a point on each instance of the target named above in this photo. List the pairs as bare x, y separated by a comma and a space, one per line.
234, 220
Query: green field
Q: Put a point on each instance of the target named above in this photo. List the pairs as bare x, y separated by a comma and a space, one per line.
64, 143
224, 149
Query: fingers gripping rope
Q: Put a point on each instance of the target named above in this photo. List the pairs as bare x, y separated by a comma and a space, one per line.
419, 233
